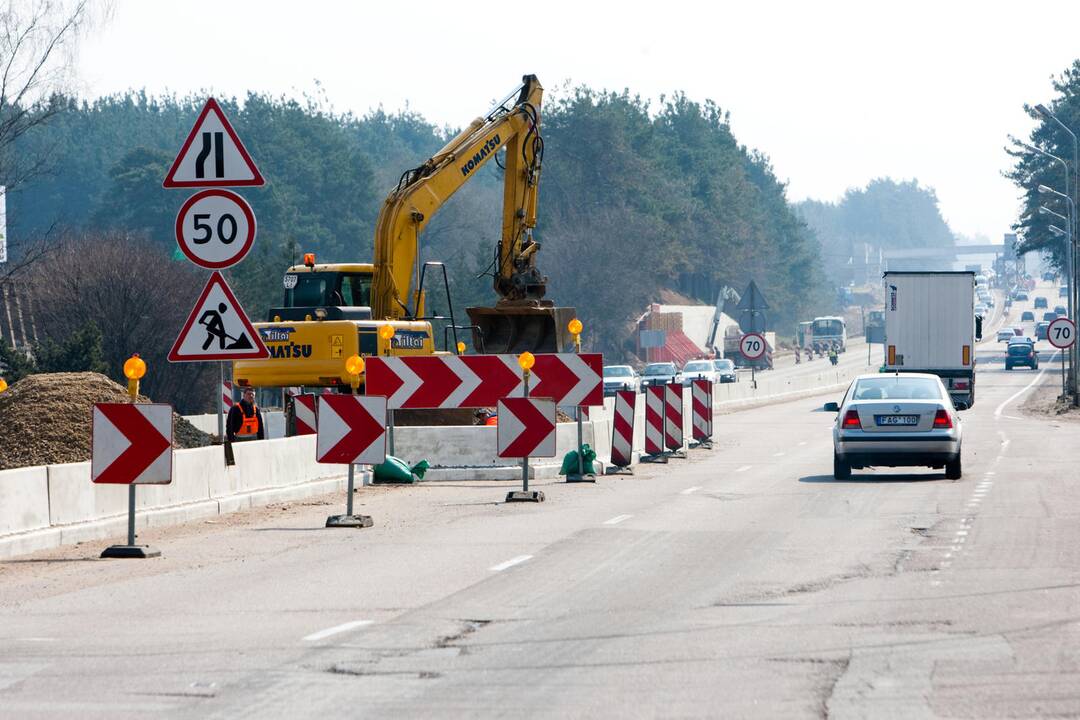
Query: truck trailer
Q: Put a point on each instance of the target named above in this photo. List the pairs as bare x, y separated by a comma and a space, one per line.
930, 327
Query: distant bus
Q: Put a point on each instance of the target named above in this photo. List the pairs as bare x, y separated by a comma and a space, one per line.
828, 330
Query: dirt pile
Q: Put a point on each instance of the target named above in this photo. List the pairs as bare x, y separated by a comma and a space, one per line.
46, 419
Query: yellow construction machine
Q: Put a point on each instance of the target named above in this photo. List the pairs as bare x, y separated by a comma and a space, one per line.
333, 311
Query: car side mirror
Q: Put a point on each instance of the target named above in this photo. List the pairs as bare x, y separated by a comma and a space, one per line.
832, 407
978, 327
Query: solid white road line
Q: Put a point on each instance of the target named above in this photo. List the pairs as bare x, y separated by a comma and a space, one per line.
690, 490
744, 468
617, 519
344, 627
1018, 393
510, 563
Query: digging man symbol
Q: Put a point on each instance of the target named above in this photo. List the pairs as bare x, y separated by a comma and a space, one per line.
215, 330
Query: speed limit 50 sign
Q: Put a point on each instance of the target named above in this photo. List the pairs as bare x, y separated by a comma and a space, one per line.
752, 346
1061, 333
215, 228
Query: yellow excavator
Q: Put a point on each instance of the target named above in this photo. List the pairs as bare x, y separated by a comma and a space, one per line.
333, 311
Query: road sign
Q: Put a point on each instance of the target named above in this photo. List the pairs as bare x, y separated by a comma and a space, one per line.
471, 381
212, 155
215, 228
752, 299
654, 419
226, 393
622, 428
217, 329
132, 444
1061, 333
304, 412
526, 427
352, 430
701, 401
752, 346
673, 416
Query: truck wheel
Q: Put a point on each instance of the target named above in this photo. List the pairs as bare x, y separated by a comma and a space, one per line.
953, 470
841, 469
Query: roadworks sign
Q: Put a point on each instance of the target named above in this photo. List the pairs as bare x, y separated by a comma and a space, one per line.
217, 329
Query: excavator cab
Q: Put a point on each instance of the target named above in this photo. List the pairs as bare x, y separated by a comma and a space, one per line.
512, 327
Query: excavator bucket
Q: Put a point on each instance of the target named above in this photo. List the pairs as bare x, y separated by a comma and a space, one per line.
515, 328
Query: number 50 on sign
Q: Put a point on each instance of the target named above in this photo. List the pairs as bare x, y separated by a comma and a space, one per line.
215, 228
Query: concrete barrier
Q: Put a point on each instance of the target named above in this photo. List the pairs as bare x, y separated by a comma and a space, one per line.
275, 423
24, 499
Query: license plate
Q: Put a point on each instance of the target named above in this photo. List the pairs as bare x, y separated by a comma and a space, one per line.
897, 419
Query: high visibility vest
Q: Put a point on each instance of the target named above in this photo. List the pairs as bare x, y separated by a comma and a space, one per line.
249, 428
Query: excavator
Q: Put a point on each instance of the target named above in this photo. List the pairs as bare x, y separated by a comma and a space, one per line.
332, 311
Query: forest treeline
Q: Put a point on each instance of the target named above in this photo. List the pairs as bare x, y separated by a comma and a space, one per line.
631, 197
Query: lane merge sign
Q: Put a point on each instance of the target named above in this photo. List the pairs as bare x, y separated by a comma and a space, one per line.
1061, 333
212, 155
132, 444
752, 346
215, 228
352, 430
217, 329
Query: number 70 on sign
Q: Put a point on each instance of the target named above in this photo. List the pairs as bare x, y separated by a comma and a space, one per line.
1061, 333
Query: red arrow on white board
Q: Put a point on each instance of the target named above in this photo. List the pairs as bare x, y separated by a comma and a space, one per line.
352, 430
132, 444
526, 427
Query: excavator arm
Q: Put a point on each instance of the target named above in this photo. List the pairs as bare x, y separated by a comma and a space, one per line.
513, 124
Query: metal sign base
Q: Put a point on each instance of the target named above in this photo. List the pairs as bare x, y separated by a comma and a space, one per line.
702, 444
616, 470
575, 478
524, 496
659, 458
130, 551
349, 521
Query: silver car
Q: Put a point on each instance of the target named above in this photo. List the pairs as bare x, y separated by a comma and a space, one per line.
899, 420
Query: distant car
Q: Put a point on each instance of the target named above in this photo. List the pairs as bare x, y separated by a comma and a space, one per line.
1021, 351
981, 310
659, 374
1063, 292
725, 369
1060, 310
1040, 302
1040, 330
620, 377
1048, 276
896, 420
1005, 335
1049, 316
1020, 296
1027, 316
699, 370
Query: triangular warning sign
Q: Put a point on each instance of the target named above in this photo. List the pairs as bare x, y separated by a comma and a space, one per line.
212, 155
752, 299
217, 329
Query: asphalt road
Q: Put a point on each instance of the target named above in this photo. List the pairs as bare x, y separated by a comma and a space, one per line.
741, 582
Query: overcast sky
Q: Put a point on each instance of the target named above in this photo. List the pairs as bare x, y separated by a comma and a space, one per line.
836, 93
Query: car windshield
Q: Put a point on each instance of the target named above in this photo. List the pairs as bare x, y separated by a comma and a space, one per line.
618, 371
698, 366
724, 365
828, 326
1019, 349
660, 369
897, 388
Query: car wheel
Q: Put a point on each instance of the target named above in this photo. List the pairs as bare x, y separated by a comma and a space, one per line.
953, 470
841, 469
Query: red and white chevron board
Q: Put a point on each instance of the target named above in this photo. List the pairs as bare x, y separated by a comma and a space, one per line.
654, 419
352, 430
226, 394
132, 444
622, 428
471, 381
526, 427
304, 413
701, 400
673, 410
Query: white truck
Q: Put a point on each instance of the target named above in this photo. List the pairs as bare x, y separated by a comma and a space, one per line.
930, 327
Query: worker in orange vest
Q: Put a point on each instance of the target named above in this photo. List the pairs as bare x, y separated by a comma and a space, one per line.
245, 420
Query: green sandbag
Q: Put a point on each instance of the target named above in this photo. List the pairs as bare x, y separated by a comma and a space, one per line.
570, 462
396, 470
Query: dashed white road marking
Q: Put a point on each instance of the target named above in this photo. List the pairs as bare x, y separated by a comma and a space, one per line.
802, 443
617, 519
337, 629
510, 563
690, 490
744, 468
779, 454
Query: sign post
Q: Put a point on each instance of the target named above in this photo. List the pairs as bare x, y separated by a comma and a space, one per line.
352, 431
575, 327
1061, 333
752, 346
525, 427
132, 445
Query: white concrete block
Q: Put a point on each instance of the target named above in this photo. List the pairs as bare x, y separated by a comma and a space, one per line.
73, 498
24, 500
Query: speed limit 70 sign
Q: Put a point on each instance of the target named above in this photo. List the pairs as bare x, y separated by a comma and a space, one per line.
1061, 333
752, 346
215, 228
